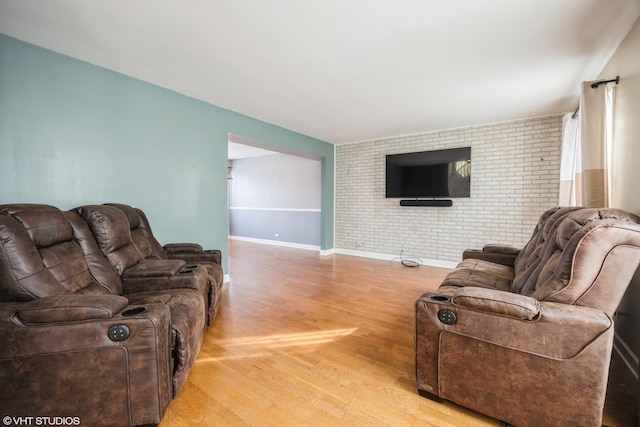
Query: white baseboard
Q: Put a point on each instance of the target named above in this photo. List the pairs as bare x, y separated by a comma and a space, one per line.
226, 279
387, 257
276, 243
627, 355
351, 252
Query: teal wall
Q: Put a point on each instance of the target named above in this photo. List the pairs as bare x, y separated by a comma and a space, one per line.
72, 133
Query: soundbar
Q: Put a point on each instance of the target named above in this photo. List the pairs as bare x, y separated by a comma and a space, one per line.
414, 202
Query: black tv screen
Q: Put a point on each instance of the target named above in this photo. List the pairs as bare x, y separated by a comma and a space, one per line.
429, 174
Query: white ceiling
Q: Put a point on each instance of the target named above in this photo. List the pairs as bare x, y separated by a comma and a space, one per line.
242, 151
344, 70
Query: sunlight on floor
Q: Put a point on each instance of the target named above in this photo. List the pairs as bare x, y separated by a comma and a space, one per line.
256, 346
280, 340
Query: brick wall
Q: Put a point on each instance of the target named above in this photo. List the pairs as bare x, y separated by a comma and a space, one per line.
515, 168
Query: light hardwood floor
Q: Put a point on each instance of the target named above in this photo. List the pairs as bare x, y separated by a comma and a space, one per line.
305, 340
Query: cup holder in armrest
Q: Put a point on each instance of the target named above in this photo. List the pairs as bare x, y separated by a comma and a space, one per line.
134, 311
439, 298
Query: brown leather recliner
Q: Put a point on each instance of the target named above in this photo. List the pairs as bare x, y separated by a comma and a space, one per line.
150, 248
186, 251
77, 341
529, 342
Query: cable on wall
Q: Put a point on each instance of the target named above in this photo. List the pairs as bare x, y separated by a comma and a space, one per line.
575, 113
408, 261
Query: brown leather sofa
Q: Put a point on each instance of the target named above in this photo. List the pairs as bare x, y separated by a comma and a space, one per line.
525, 336
88, 327
150, 248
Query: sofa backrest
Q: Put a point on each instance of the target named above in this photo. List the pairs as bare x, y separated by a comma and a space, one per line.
110, 229
99, 266
145, 228
523, 256
39, 256
590, 259
528, 262
141, 233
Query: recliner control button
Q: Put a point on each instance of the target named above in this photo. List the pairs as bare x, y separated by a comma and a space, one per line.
447, 317
118, 333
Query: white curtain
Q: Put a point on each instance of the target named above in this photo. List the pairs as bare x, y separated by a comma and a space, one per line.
569, 160
585, 165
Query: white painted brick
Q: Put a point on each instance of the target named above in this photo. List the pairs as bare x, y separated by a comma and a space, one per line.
515, 177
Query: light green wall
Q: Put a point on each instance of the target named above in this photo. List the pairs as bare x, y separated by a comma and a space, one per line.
72, 133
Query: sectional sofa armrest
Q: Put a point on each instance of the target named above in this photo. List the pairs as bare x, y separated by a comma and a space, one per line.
154, 268
558, 330
162, 275
75, 358
497, 302
209, 255
66, 308
464, 342
501, 249
499, 254
182, 247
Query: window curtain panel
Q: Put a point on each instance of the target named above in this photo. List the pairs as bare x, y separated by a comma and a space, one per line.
570, 161
585, 166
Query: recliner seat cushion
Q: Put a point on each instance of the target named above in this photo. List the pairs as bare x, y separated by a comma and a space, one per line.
482, 274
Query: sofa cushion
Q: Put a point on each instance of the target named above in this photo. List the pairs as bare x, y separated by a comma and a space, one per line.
46, 225
589, 246
39, 256
579, 257
536, 251
141, 232
139, 238
480, 273
111, 231
522, 256
99, 266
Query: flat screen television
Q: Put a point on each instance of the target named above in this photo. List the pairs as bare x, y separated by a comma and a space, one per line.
429, 174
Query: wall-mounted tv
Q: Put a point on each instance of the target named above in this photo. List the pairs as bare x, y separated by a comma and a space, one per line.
429, 174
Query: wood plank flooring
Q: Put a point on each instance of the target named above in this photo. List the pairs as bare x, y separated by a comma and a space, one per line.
305, 340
